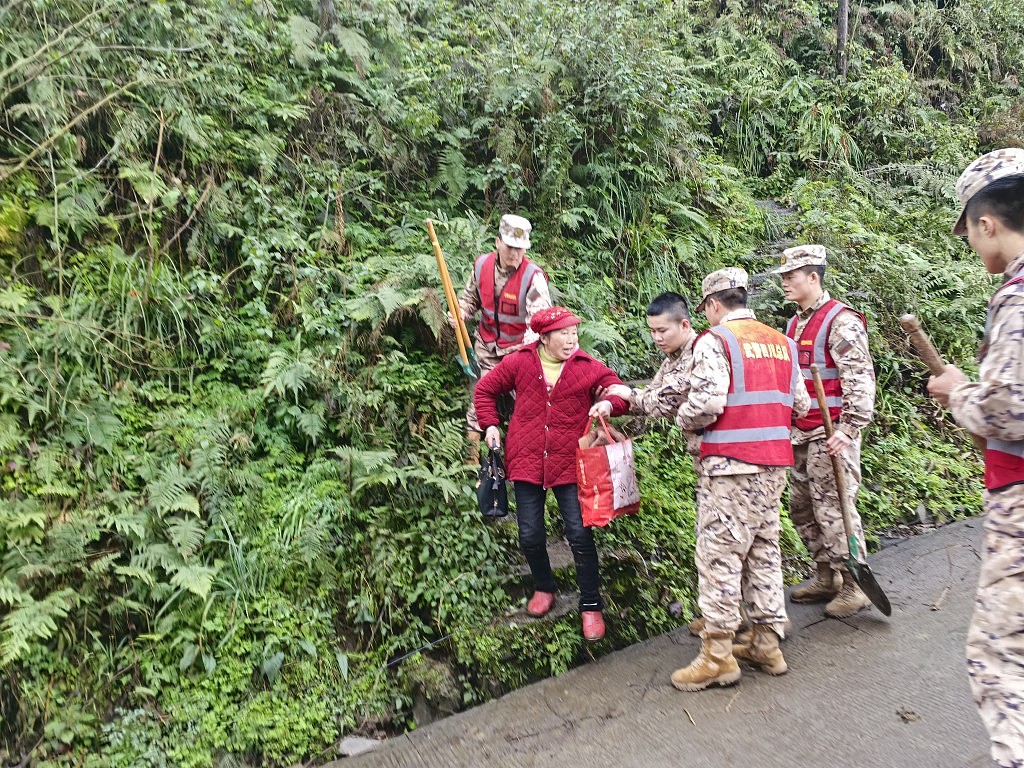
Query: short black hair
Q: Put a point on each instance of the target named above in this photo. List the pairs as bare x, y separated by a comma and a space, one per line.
671, 304
731, 298
814, 269
1003, 198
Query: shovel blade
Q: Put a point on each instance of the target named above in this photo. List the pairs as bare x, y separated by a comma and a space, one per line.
474, 366
866, 581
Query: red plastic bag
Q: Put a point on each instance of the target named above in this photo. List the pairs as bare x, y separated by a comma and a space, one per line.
606, 475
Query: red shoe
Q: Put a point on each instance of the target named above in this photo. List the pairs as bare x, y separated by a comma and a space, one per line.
593, 625
540, 603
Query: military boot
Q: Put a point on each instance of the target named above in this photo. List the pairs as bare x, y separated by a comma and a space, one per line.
473, 452
762, 651
849, 601
696, 627
824, 586
714, 665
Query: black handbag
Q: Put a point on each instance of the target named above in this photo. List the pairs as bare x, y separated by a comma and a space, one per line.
491, 493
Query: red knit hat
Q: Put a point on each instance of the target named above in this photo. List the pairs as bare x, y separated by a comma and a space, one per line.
553, 319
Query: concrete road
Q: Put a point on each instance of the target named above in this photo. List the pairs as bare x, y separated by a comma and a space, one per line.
864, 692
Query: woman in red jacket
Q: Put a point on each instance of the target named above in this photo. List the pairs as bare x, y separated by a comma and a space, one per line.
556, 385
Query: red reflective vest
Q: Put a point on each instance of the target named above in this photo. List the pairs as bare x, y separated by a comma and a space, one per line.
754, 427
812, 347
1004, 459
503, 317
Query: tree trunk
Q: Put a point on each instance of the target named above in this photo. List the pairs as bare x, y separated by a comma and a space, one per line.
328, 16
842, 32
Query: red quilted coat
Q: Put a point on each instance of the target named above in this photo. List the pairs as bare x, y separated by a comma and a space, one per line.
545, 429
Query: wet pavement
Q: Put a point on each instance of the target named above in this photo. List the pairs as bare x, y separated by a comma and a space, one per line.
861, 692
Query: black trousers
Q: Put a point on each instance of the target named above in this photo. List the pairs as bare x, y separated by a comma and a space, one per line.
533, 541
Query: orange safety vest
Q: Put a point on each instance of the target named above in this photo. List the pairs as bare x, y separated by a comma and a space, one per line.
754, 427
503, 317
1004, 459
812, 347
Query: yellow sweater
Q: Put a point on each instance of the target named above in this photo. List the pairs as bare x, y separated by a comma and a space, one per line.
552, 367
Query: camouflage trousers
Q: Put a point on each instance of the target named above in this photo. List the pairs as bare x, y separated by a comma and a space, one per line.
487, 358
737, 557
995, 639
814, 500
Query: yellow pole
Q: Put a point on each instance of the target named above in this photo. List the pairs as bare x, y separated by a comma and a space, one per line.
449, 293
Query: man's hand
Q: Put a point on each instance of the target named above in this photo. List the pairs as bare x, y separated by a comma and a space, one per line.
493, 438
451, 319
838, 443
601, 408
615, 390
939, 387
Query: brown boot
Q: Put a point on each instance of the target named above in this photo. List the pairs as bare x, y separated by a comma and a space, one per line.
473, 452
742, 636
714, 665
763, 651
849, 601
824, 586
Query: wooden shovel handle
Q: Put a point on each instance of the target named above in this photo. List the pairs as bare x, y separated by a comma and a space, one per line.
461, 334
837, 465
936, 365
919, 339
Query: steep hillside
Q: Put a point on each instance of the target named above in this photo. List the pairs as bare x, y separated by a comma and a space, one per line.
235, 517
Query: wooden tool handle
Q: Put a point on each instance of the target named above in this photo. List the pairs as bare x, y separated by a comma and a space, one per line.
460, 324
837, 465
932, 358
449, 293
923, 344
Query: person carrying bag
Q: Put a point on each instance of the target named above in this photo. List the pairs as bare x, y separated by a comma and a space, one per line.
557, 388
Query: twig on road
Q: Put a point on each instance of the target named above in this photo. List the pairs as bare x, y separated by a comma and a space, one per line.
729, 705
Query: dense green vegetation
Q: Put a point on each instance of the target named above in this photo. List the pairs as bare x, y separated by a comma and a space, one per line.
235, 519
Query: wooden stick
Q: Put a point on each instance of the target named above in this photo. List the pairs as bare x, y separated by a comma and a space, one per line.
931, 357
837, 465
920, 341
449, 292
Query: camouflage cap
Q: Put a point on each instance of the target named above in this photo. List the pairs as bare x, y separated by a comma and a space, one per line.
722, 280
982, 172
801, 256
515, 231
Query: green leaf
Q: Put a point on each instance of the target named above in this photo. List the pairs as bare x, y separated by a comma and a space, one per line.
355, 47
186, 534
272, 666
188, 656
197, 579
303, 34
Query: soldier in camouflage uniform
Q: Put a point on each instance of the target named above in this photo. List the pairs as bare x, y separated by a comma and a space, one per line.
508, 290
991, 193
833, 336
668, 317
745, 388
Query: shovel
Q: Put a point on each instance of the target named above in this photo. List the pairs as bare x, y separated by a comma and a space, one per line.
467, 358
855, 562
919, 339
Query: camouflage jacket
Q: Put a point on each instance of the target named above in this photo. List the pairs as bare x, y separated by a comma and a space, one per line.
993, 406
538, 297
848, 345
669, 387
709, 387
